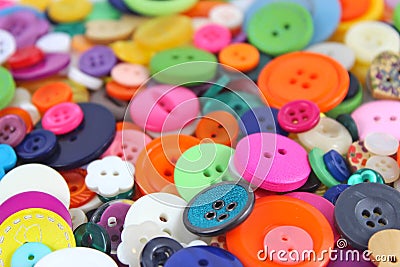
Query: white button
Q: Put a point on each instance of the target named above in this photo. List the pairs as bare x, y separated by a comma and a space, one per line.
77, 257
34, 177
339, 52
242, 4
22, 99
88, 81
78, 217
7, 45
382, 144
328, 134
195, 243
166, 210
134, 238
55, 42
228, 15
110, 176
386, 166
199, 22
369, 38
93, 204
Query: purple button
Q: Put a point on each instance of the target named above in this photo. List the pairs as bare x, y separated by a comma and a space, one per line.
52, 64
12, 130
97, 61
33, 199
25, 26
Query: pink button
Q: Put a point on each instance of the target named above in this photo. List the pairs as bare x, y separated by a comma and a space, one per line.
127, 145
289, 244
272, 162
132, 75
164, 108
378, 116
212, 37
62, 118
298, 116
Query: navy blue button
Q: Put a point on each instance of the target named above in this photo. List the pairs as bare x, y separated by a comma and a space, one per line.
203, 256
261, 119
8, 159
87, 142
353, 87
157, 251
334, 192
312, 184
37, 146
336, 165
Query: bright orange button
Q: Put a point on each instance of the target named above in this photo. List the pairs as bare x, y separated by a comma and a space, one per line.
50, 95
202, 8
119, 91
243, 57
21, 113
304, 75
353, 9
246, 241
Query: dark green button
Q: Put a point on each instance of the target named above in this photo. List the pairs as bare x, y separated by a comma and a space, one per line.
91, 235
347, 121
126, 195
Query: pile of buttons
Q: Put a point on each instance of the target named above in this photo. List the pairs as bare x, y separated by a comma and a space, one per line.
199, 133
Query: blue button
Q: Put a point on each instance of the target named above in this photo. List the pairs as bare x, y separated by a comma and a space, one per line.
8, 159
157, 251
326, 17
37, 146
29, 254
261, 119
334, 192
336, 165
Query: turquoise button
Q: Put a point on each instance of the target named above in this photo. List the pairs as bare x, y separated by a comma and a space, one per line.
365, 176
29, 254
8, 159
72, 29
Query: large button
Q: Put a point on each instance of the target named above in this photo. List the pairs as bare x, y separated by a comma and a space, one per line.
131, 52
149, 8
261, 119
54, 42
12, 130
37, 146
8, 159
338, 51
299, 116
29, 254
7, 93
91, 235
79, 193
50, 95
365, 209
8, 46
261, 158
386, 166
212, 37
322, 80
97, 61
62, 118
382, 144
219, 208
382, 244
33, 225
69, 10
158, 250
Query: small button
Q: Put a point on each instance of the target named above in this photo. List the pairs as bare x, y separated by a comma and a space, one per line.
261, 119
78, 218
69, 10
8, 85
91, 235
12, 130
227, 15
84, 79
79, 193
119, 91
336, 165
338, 51
54, 42
212, 38
116, 107
299, 116
8, 159
158, 250
24, 115
62, 118
37, 146
29, 254
8, 46
50, 95
315, 157
365, 176
386, 166
312, 184
97, 61
129, 74
103, 10
354, 87
382, 144
240, 56
357, 156
333, 193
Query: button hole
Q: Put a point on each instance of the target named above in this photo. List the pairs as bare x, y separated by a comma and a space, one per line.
134, 149
231, 206
366, 214
313, 76
377, 118
382, 222
286, 26
222, 217
116, 173
285, 238
282, 151
293, 81
103, 173
371, 224
213, 135
219, 204
305, 118
295, 121
31, 257
163, 218
203, 262
378, 211
267, 155
275, 33
393, 118
210, 215
206, 173
167, 173
305, 85
219, 169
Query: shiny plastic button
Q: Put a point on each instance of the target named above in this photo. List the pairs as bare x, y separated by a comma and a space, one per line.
8, 157
150, 8
8, 45
131, 52
130, 74
338, 51
365, 176
315, 157
97, 61
84, 79
69, 10
55, 42
25, 57
386, 166
62, 118
91, 235
333, 193
158, 250
212, 37
78, 217
79, 193
347, 121
228, 15
261, 119
336, 165
29, 254
22, 99
37, 146
382, 144
240, 56
7, 93
299, 116
50, 95
12, 130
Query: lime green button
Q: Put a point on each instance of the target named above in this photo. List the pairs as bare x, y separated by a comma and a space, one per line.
279, 28
201, 166
187, 65
158, 8
365, 176
315, 157
103, 10
7, 87
75, 28
396, 17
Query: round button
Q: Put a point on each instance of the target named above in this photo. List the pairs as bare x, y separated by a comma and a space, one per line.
8, 159
50, 95
91, 235
336, 165
25, 57
365, 209
37, 146
84, 79
384, 243
8, 45
29, 254
382, 144
357, 156
333, 193
119, 91
73, 29
240, 56
130, 74
108, 31
22, 113
54, 42
8, 85
312, 184
97, 61
78, 217
317, 163
62, 118
287, 78
261, 119
365, 176
338, 51
79, 193
150, 8
212, 37
347, 121
12, 130
274, 33
158, 250
386, 166
65, 11
22, 100
103, 10
227, 15
299, 116
131, 52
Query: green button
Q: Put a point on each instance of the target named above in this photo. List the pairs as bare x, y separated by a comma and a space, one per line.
7, 87
347, 106
158, 8
315, 157
183, 66
201, 166
103, 11
76, 28
396, 17
279, 28
91, 235
365, 176
347, 121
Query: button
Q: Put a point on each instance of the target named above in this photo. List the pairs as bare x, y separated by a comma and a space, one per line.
24, 115
91, 235
260, 158
227, 15
365, 176
79, 193
369, 38
357, 156
127, 145
261, 119
131, 52
246, 240
116, 107
55, 42
275, 34
354, 87
8, 45
75, 257
312, 184
103, 10
328, 134
351, 10
315, 157
22, 99
8, 159
298, 116
81, 43
124, 196
166, 212
69, 10
108, 31
25, 57
149, 8
336, 165
172, 66
72, 29
52, 64
383, 243
110, 176
97, 61
34, 225
347, 121
121, 92
88, 81
304, 81
386, 166
219, 208
120, 5
264, 60
29, 254
50, 95
62, 118
37, 146
333, 193
338, 51
382, 144
212, 37
164, 32
157, 251
240, 56
8, 85
326, 18
203, 256
130, 74
78, 217
134, 238
12, 130
156, 164
365, 209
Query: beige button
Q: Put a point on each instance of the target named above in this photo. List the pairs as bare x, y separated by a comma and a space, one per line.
383, 244
108, 31
381, 144
386, 166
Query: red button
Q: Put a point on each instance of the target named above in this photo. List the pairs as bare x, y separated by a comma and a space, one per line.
25, 57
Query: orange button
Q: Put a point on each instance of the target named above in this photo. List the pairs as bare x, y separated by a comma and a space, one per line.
50, 95
125, 125
241, 56
202, 8
353, 9
220, 126
304, 75
119, 91
21, 113
80, 43
155, 164
80, 194
246, 241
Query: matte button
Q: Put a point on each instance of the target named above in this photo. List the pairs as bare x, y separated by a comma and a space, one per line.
91, 82
37, 146
241, 56
108, 31
29, 254
97, 61
357, 156
120, 92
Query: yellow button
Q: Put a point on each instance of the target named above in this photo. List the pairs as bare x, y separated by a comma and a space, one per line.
38, 4
33, 225
131, 52
64, 11
164, 32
